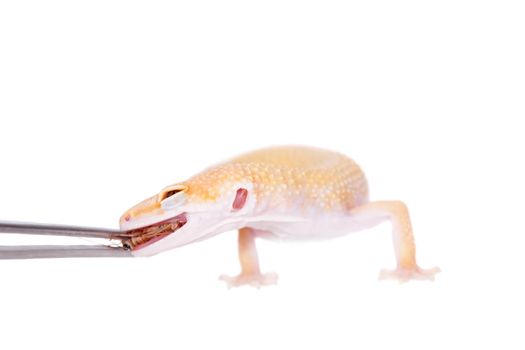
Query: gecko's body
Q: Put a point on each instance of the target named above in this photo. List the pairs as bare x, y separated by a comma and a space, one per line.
281, 192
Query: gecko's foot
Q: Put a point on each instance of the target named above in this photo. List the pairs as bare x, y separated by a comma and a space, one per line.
256, 280
403, 274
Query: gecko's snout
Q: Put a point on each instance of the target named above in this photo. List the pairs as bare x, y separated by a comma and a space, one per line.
126, 218
144, 208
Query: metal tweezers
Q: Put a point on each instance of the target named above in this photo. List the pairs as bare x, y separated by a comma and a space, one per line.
63, 251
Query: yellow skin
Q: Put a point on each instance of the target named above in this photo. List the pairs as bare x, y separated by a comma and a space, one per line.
289, 193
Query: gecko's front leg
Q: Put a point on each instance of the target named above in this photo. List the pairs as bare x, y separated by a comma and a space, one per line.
404, 246
250, 272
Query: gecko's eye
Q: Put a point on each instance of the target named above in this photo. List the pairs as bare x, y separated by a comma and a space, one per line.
168, 194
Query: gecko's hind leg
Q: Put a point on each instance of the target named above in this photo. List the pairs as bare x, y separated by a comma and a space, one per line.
250, 272
404, 246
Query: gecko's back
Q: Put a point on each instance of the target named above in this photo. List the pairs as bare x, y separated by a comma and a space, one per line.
293, 177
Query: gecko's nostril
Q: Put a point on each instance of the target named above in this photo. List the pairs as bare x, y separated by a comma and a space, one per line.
127, 217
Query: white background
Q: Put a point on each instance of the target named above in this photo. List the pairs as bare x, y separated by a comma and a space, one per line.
103, 103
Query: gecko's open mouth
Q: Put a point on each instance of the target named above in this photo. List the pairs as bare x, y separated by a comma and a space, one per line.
144, 236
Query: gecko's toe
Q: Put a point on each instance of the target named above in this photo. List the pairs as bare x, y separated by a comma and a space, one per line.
406, 274
256, 280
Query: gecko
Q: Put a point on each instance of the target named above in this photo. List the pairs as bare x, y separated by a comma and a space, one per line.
283, 193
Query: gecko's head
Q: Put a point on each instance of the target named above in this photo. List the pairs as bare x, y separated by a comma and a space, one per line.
184, 213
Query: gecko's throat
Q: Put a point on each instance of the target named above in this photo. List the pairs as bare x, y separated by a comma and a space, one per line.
143, 236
